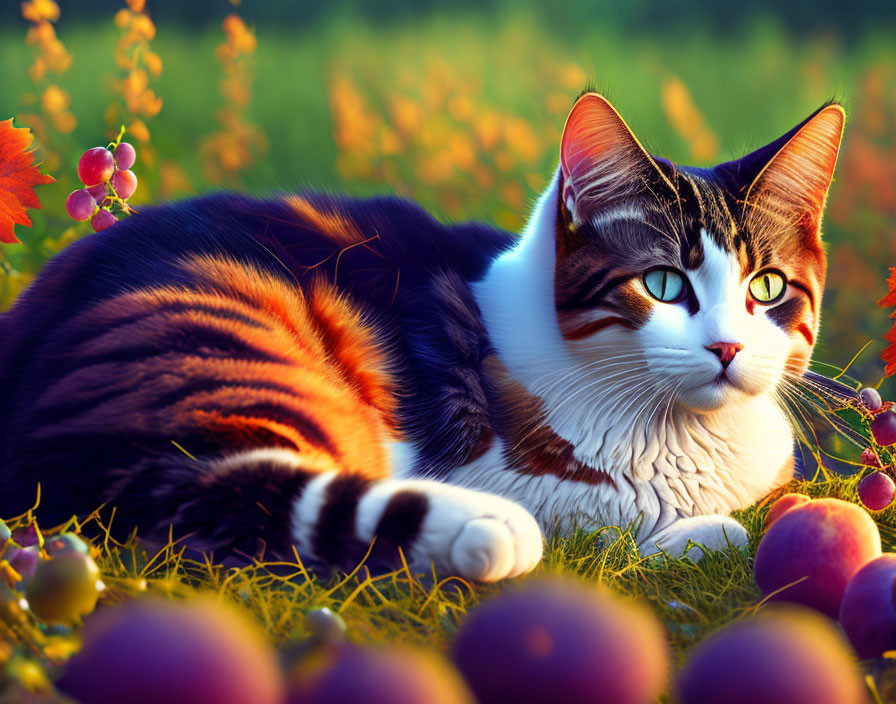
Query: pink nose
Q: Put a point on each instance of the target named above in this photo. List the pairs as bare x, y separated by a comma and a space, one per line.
725, 351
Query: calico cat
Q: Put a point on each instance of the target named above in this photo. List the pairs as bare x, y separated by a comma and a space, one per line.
317, 372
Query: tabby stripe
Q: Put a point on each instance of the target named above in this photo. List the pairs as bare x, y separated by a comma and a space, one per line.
203, 386
596, 326
578, 297
335, 540
805, 289
804, 330
177, 335
284, 415
399, 525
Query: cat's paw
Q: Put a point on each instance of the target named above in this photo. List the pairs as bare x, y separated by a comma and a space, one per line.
714, 532
477, 536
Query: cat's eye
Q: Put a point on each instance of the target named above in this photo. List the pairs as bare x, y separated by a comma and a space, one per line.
664, 284
768, 286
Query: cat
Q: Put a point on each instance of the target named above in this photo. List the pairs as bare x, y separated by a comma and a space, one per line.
338, 375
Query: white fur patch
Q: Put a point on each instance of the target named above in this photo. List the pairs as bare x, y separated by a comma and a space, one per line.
644, 409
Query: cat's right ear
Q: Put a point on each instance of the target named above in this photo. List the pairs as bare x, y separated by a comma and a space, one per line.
602, 162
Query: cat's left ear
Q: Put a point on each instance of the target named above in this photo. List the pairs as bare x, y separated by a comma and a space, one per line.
791, 188
603, 163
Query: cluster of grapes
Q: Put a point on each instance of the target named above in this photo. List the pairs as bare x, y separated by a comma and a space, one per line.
109, 182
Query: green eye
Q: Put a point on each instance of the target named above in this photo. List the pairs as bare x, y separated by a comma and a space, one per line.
768, 286
666, 285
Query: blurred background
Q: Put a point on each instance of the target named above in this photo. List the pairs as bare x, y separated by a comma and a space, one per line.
458, 105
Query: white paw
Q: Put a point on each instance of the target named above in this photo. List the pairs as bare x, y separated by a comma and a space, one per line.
709, 532
476, 535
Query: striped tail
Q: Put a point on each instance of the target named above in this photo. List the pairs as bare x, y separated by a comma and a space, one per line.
265, 502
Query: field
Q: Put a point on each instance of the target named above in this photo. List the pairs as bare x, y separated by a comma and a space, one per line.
462, 112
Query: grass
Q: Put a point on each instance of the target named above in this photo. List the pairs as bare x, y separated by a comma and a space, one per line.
692, 599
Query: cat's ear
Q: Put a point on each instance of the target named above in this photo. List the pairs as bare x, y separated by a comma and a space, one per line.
791, 188
602, 161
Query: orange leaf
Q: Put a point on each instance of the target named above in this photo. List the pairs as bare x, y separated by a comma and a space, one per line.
18, 177
889, 354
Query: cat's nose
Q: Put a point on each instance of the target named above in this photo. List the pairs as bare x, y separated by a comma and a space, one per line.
725, 351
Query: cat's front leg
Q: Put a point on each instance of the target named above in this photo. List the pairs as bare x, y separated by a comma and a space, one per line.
713, 532
463, 532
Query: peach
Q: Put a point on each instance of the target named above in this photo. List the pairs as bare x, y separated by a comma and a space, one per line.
194, 652
812, 551
396, 675
557, 641
867, 612
784, 503
787, 655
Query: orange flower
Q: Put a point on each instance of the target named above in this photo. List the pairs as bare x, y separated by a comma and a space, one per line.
38, 10
687, 120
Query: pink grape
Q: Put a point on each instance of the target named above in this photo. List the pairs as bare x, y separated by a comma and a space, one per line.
883, 427
102, 220
99, 192
869, 458
96, 166
125, 183
871, 398
80, 205
876, 491
125, 156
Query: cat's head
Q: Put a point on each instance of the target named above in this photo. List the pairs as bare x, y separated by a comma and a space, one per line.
716, 275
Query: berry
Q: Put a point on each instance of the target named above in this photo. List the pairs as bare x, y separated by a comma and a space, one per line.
867, 612
96, 166
80, 205
98, 192
125, 183
869, 458
876, 491
102, 220
66, 542
125, 156
24, 560
325, 626
63, 587
883, 427
871, 398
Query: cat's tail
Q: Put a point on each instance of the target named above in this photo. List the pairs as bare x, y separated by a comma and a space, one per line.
276, 503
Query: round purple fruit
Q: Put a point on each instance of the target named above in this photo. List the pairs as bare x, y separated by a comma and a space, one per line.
812, 551
193, 652
867, 612
785, 655
869, 458
557, 641
782, 505
883, 427
377, 676
871, 399
876, 490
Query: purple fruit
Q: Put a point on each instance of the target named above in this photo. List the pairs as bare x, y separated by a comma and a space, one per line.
24, 560
790, 656
876, 490
869, 458
867, 613
98, 192
812, 551
125, 156
382, 676
556, 641
80, 205
883, 427
102, 220
782, 505
194, 652
871, 399
96, 166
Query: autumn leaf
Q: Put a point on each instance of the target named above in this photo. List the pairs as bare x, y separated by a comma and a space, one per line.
18, 177
889, 354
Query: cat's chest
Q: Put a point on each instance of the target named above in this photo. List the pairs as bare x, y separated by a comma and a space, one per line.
649, 475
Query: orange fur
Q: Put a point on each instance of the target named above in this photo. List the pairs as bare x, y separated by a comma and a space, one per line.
332, 224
